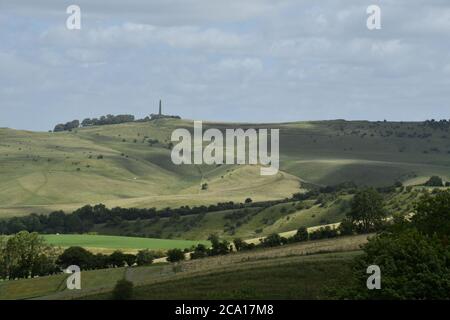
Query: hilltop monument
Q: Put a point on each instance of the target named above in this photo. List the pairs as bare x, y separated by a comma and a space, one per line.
160, 115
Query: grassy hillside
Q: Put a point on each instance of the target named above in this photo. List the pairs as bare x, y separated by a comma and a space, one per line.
307, 256
129, 164
256, 222
282, 278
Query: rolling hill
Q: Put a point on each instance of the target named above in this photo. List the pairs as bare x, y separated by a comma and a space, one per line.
129, 164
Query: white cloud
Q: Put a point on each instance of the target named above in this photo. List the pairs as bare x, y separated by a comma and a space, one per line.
224, 60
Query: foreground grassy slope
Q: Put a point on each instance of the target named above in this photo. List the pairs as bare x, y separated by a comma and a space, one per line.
282, 278
129, 164
102, 281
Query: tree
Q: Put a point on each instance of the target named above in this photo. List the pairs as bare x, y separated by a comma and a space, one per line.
273, 240
218, 247
144, 257
76, 256
59, 127
367, 210
433, 214
129, 259
123, 290
248, 200
175, 255
413, 266
3, 266
117, 259
200, 251
346, 228
434, 181
301, 235
239, 244
26, 255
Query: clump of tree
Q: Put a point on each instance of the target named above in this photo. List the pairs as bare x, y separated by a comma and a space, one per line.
301, 235
367, 211
175, 255
108, 119
434, 181
83, 219
69, 126
273, 240
26, 255
86, 260
413, 256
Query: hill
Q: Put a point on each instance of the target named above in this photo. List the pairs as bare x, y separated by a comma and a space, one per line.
129, 164
306, 257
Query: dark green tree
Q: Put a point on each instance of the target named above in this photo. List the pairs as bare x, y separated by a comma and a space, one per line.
367, 211
433, 214
144, 257
175, 255
301, 235
434, 181
76, 256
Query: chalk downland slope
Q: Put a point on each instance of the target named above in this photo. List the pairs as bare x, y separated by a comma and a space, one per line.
129, 164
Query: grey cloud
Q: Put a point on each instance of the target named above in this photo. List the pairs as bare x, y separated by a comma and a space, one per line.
224, 60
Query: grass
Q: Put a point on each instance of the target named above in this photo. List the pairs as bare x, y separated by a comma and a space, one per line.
306, 277
38, 168
304, 280
101, 282
117, 242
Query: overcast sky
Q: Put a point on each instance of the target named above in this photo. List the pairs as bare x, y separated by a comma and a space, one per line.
233, 60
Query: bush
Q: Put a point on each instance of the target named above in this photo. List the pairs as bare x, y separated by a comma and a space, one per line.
301, 235
218, 247
346, 227
144, 257
433, 214
175, 255
413, 266
434, 181
273, 240
200, 251
123, 290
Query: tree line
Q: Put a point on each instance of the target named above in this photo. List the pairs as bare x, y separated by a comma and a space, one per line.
85, 218
26, 255
103, 120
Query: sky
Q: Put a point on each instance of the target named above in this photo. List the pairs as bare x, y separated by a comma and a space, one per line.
234, 60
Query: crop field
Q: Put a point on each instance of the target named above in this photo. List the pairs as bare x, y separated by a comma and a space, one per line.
128, 244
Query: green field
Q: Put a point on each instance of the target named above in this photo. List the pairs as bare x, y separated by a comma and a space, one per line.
119, 165
116, 242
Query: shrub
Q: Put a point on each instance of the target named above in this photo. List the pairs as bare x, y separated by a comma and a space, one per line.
175, 255
434, 181
301, 235
144, 257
